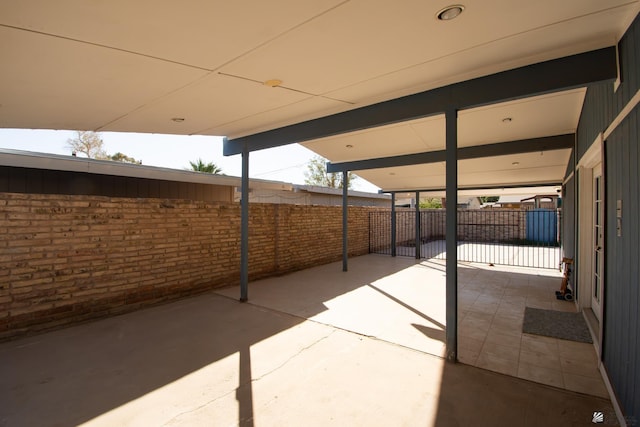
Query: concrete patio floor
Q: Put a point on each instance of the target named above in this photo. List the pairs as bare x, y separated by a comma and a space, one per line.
402, 301
318, 347
490, 253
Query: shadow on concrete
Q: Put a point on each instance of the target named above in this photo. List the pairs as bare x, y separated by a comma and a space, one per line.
305, 293
244, 392
82, 373
433, 333
408, 307
73, 375
471, 396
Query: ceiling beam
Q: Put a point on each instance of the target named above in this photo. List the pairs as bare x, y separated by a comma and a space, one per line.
547, 183
536, 79
533, 145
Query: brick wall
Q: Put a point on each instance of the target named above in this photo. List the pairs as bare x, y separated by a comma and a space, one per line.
65, 259
486, 225
380, 228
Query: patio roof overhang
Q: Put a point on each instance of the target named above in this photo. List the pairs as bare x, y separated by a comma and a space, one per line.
352, 80
542, 97
548, 143
221, 68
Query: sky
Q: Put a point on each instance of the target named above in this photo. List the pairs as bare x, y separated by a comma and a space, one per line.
286, 164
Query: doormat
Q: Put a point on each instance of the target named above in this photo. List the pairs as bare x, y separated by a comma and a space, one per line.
556, 324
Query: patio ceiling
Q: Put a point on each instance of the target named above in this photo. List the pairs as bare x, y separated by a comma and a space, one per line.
535, 117
136, 66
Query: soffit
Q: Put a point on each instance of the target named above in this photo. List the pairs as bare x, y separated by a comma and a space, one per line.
546, 115
528, 169
132, 66
535, 117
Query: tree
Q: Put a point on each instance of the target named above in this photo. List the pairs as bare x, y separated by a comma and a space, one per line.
88, 143
120, 157
317, 174
200, 166
489, 199
431, 203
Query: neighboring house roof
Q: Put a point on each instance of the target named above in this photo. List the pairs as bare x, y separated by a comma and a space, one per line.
35, 160
525, 198
338, 191
541, 197
29, 159
514, 199
468, 201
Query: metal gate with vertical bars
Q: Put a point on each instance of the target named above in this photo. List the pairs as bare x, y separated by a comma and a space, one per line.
524, 238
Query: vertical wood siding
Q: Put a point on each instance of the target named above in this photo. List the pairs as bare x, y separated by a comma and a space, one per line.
602, 104
622, 298
621, 347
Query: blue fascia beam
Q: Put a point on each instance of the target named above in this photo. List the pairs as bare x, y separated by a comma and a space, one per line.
244, 229
545, 77
532, 145
451, 235
551, 183
345, 221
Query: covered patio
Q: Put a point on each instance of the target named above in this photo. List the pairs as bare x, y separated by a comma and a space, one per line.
317, 347
481, 97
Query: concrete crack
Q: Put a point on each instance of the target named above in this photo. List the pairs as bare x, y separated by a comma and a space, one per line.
295, 355
197, 408
245, 383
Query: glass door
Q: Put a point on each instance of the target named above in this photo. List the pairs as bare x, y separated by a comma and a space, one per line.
598, 239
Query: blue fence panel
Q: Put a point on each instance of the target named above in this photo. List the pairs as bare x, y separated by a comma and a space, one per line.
542, 226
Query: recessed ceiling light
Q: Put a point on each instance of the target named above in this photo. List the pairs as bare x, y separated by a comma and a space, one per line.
178, 119
450, 12
515, 163
349, 146
273, 83
507, 120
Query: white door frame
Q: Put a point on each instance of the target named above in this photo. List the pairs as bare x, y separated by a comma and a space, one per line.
586, 243
585, 236
598, 245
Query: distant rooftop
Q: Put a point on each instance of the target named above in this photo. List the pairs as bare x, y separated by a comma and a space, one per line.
35, 160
